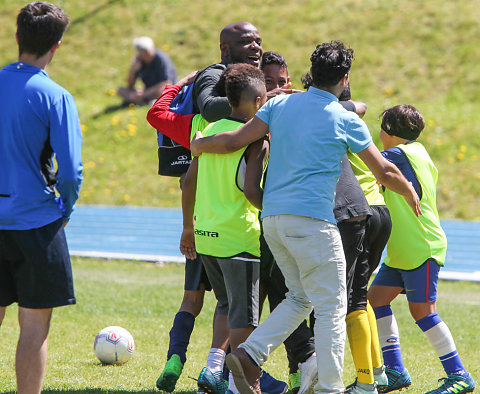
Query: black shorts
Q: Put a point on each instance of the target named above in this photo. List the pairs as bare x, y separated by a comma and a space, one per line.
195, 275
379, 227
35, 268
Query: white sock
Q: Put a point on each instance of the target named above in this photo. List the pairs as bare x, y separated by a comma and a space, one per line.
441, 339
231, 384
215, 359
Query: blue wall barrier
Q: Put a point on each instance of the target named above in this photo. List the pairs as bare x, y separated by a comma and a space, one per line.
153, 234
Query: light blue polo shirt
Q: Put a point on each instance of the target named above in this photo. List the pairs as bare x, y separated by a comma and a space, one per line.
310, 133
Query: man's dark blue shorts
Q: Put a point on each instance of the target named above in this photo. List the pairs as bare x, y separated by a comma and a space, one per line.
35, 268
195, 275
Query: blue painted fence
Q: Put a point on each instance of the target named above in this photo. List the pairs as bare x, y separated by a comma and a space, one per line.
152, 234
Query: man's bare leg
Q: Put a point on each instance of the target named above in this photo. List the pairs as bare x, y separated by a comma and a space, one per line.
31, 358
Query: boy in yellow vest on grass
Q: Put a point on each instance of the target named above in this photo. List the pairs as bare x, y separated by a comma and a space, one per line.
415, 252
224, 194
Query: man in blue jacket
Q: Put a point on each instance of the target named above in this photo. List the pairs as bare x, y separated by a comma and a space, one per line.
38, 121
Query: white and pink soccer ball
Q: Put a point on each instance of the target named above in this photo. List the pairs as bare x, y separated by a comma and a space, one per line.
114, 345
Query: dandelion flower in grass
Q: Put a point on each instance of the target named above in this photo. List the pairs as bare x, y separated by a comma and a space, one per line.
133, 119
83, 128
430, 122
463, 148
115, 120
165, 47
445, 192
132, 129
460, 156
388, 91
89, 164
122, 133
126, 197
439, 142
111, 92
474, 157
451, 160
101, 159
108, 191
85, 193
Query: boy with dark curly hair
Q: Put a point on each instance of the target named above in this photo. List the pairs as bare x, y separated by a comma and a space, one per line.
223, 192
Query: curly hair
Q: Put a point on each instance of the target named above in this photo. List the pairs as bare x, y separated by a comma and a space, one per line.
330, 62
273, 58
404, 121
238, 78
40, 25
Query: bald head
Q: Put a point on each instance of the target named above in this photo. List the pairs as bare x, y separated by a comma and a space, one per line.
240, 42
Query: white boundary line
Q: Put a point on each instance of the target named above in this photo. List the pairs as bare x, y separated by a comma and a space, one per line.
462, 276
445, 275
129, 256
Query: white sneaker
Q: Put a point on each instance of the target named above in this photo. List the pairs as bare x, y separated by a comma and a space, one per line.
381, 379
308, 374
362, 388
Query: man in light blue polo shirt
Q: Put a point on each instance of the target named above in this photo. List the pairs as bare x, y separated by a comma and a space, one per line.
38, 119
310, 133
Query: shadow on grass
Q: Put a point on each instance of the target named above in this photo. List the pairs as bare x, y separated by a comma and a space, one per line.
91, 13
110, 109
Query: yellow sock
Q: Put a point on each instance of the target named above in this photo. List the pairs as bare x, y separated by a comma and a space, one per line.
359, 336
377, 360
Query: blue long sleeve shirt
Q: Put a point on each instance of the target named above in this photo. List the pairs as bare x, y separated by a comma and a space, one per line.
38, 124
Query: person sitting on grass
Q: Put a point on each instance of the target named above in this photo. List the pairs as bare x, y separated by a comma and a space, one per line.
415, 253
154, 67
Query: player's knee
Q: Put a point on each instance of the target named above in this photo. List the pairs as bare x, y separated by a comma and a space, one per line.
419, 310
192, 301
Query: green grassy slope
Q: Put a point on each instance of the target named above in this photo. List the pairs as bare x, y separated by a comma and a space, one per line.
422, 53
143, 298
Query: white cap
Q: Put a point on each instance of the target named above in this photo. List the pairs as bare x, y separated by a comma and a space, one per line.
143, 43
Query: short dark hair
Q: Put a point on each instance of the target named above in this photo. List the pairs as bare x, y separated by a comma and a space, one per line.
330, 62
404, 121
238, 78
40, 25
306, 80
346, 94
273, 58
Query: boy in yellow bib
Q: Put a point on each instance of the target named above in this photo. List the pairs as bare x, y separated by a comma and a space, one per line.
224, 193
415, 252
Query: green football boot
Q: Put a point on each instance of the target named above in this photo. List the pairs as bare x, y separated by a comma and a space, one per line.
171, 373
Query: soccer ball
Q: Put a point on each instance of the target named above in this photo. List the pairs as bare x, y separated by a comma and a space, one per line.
114, 345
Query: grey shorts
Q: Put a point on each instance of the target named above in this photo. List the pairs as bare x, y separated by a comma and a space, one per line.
235, 282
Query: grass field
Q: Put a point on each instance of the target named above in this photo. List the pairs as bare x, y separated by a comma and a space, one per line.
423, 53
144, 299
